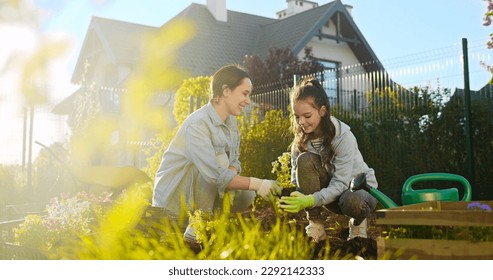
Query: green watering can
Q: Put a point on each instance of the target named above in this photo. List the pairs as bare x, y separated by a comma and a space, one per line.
412, 196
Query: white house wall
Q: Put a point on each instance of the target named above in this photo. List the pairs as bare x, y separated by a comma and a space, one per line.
340, 53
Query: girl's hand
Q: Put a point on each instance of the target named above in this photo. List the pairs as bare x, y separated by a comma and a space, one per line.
296, 202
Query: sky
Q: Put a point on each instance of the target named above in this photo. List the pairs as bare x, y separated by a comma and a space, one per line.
392, 28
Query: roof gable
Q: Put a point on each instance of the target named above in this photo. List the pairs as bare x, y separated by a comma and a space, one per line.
218, 43
291, 31
119, 40
297, 30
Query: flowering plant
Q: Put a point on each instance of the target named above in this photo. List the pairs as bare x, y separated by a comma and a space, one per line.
282, 170
67, 217
478, 206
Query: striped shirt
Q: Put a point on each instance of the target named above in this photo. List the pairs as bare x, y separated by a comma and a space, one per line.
317, 143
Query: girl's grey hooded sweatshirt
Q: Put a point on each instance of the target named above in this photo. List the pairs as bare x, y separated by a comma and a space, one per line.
347, 160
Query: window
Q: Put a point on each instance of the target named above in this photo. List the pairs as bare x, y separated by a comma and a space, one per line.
110, 100
329, 79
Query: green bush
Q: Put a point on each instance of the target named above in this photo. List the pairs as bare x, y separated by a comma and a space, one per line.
193, 87
224, 236
262, 142
196, 88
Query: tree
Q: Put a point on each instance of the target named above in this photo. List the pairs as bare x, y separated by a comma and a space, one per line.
280, 67
488, 16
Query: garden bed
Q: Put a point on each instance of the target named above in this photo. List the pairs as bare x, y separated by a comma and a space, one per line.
437, 230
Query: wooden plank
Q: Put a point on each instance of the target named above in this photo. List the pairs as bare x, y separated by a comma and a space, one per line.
435, 213
430, 249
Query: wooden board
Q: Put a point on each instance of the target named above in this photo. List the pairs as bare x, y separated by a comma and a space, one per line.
437, 213
431, 249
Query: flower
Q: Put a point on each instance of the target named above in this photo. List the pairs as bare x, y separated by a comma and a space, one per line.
485, 207
473, 205
478, 206
67, 216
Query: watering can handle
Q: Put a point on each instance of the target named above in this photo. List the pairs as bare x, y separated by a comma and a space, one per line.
359, 183
438, 177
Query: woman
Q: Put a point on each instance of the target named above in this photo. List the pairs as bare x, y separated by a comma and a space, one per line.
201, 163
325, 157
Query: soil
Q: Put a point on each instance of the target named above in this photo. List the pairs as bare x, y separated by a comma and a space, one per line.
336, 227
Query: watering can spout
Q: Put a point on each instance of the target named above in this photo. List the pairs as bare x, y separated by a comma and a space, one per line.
359, 183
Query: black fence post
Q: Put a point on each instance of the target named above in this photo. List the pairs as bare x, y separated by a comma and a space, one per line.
191, 105
467, 117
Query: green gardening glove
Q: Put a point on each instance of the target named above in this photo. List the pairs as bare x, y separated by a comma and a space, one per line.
296, 202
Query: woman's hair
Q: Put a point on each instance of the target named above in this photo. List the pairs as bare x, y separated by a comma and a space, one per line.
310, 90
229, 76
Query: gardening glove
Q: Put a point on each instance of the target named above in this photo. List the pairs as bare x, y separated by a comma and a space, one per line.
296, 202
316, 231
264, 188
189, 234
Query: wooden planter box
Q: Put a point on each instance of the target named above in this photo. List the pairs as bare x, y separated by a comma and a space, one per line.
435, 213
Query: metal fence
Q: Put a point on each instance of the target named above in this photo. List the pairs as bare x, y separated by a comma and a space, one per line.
354, 93
429, 82
383, 109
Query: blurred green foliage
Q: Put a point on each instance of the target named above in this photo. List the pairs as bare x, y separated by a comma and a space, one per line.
192, 87
120, 232
262, 142
476, 234
422, 130
192, 90
67, 217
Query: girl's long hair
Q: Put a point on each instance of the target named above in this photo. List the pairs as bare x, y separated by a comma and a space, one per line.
311, 90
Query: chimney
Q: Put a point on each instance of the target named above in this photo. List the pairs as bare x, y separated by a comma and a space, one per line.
296, 7
349, 9
218, 9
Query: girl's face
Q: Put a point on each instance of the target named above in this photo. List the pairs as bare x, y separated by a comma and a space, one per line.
308, 117
236, 99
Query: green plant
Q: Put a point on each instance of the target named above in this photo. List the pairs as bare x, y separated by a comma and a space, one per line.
228, 236
262, 141
119, 234
196, 88
192, 89
476, 234
67, 217
282, 170
224, 236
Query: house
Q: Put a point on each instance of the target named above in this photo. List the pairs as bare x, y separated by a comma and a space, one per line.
110, 51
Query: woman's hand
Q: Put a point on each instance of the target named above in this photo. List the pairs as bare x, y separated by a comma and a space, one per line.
264, 188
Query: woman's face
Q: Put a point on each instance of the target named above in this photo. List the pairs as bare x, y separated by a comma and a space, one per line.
308, 117
239, 97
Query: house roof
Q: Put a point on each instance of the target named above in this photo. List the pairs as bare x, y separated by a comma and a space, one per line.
119, 40
218, 43
475, 95
294, 31
297, 30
